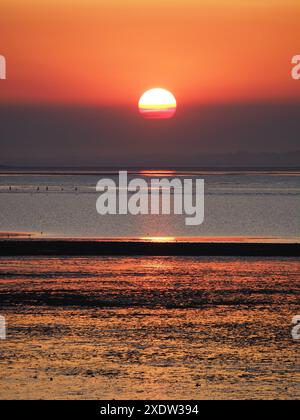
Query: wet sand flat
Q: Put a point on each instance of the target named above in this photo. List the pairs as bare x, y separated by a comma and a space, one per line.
149, 328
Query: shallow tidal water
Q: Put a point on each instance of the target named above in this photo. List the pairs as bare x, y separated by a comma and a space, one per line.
237, 204
149, 328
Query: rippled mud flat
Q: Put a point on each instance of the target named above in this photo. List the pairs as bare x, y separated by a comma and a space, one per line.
149, 328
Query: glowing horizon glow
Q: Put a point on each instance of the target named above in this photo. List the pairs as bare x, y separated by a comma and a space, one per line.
157, 103
160, 239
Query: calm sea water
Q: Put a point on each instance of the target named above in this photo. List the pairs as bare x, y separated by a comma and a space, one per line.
236, 204
149, 328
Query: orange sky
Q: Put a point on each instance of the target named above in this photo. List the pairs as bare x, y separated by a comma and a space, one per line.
111, 51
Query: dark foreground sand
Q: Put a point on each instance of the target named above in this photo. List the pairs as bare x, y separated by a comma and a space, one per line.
82, 247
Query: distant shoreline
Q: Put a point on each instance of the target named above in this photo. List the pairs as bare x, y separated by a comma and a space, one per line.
142, 170
86, 247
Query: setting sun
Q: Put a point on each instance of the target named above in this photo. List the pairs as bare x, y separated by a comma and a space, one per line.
157, 103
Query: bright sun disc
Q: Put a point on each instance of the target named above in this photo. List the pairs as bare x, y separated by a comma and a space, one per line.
157, 103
